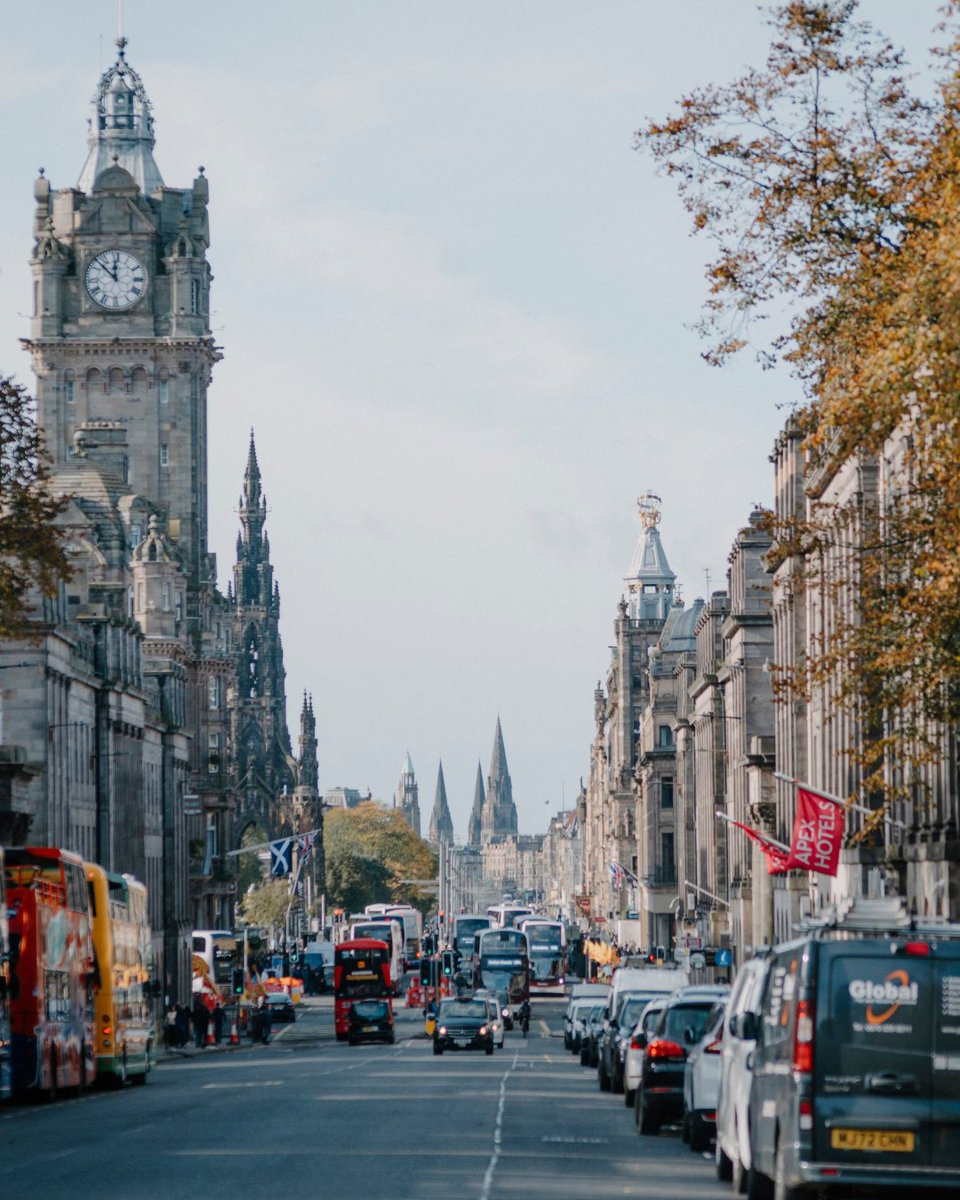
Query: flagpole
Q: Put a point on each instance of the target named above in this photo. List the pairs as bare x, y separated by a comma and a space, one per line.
860, 808
773, 841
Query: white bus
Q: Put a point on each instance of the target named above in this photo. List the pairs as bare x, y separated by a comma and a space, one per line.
384, 930
508, 916
412, 928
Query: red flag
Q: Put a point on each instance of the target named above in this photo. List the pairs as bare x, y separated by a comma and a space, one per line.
775, 856
817, 833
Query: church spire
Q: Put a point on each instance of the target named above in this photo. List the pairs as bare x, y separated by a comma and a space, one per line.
121, 128
441, 823
499, 811
475, 825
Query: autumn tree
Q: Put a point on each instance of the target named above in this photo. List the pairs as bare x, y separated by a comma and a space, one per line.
266, 905
828, 187
369, 852
31, 552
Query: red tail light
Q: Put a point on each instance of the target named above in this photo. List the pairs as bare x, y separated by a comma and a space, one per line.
661, 1048
714, 1047
637, 1043
803, 1037
918, 949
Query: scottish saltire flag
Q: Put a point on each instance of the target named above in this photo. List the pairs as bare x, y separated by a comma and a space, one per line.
280, 856
616, 875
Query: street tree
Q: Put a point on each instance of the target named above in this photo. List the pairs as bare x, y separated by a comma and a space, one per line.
266, 905
31, 551
828, 186
377, 844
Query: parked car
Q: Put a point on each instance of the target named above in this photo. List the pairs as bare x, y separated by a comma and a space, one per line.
736, 1070
578, 1011
613, 1040
580, 993
463, 1023
592, 1028
701, 1082
855, 1078
679, 1026
633, 1059
370, 1021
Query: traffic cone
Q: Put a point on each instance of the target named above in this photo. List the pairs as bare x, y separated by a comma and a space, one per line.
211, 1040
413, 993
234, 1031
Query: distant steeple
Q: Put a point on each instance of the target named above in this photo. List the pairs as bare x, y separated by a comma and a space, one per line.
253, 574
650, 583
408, 795
308, 771
499, 812
475, 825
441, 823
121, 128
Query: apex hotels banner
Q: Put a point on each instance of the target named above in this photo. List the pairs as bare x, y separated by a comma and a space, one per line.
817, 833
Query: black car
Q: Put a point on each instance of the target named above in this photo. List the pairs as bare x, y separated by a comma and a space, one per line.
590, 1041
370, 1021
463, 1024
611, 1048
281, 1007
682, 1023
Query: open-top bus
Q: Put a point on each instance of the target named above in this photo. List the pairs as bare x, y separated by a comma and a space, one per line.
123, 1029
503, 966
361, 971
547, 941
53, 971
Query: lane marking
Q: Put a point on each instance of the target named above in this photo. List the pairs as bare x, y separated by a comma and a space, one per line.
498, 1130
257, 1083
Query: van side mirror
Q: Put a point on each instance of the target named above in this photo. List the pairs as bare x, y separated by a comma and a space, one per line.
745, 1026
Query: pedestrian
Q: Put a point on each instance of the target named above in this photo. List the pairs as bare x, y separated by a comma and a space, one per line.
218, 1023
170, 1027
262, 1029
183, 1026
200, 1019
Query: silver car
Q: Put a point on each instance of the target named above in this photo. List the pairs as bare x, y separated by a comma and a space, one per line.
701, 1082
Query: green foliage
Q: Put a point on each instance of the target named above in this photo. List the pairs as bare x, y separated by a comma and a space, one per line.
266, 906
368, 851
31, 551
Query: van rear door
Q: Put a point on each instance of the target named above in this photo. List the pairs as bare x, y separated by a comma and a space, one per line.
946, 1058
872, 1055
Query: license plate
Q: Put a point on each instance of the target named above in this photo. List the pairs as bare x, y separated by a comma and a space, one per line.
369, 1029
463, 1041
892, 1140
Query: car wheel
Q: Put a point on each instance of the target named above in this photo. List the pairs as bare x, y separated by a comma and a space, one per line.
758, 1185
780, 1189
699, 1133
685, 1129
489, 1047
724, 1165
647, 1122
616, 1082
437, 1048
584, 1056
628, 1097
603, 1079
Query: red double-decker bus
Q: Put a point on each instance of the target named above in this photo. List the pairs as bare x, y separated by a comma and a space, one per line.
52, 976
361, 971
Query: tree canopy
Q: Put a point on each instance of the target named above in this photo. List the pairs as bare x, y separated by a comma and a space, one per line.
31, 550
826, 183
368, 851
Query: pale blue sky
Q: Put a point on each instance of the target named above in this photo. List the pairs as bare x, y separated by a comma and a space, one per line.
455, 304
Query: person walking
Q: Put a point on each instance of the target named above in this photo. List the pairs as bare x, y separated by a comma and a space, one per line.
200, 1018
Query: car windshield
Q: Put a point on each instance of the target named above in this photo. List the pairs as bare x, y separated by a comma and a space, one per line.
682, 1017
630, 1013
370, 1010
456, 1009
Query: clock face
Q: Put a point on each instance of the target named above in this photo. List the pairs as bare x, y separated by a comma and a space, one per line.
115, 279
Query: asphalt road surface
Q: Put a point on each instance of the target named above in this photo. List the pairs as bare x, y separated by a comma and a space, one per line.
307, 1117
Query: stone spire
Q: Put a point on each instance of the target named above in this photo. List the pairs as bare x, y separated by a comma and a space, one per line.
408, 795
121, 128
475, 825
441, 823
499, 812
650, 583
308, 771
253, 574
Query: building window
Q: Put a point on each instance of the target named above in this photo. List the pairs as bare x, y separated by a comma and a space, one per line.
195, 296
666, 791
164, 455
68, 391
178, 611
213, 753
163, 391
668, 867
213, 691
166, 596
664, 735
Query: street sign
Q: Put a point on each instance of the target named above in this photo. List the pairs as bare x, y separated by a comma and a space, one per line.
697, 961
723, 958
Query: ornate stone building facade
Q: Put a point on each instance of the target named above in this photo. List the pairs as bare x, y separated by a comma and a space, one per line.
119, 721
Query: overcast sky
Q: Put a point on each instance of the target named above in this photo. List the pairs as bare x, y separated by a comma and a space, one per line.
454, 303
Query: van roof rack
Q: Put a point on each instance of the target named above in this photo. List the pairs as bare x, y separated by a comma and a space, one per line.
885, 915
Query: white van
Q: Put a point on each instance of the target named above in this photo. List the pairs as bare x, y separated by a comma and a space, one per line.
644, 981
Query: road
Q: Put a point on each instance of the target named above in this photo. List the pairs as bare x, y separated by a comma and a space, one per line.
308, 1117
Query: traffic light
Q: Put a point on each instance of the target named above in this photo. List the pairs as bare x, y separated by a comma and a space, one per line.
236, 981
448, 963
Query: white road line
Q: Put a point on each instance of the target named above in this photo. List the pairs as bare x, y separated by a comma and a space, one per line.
492, 1165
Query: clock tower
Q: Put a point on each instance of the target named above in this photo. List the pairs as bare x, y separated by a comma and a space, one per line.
120, 333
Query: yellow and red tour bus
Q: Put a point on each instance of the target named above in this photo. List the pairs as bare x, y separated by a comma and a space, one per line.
52, 970
124, 1033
